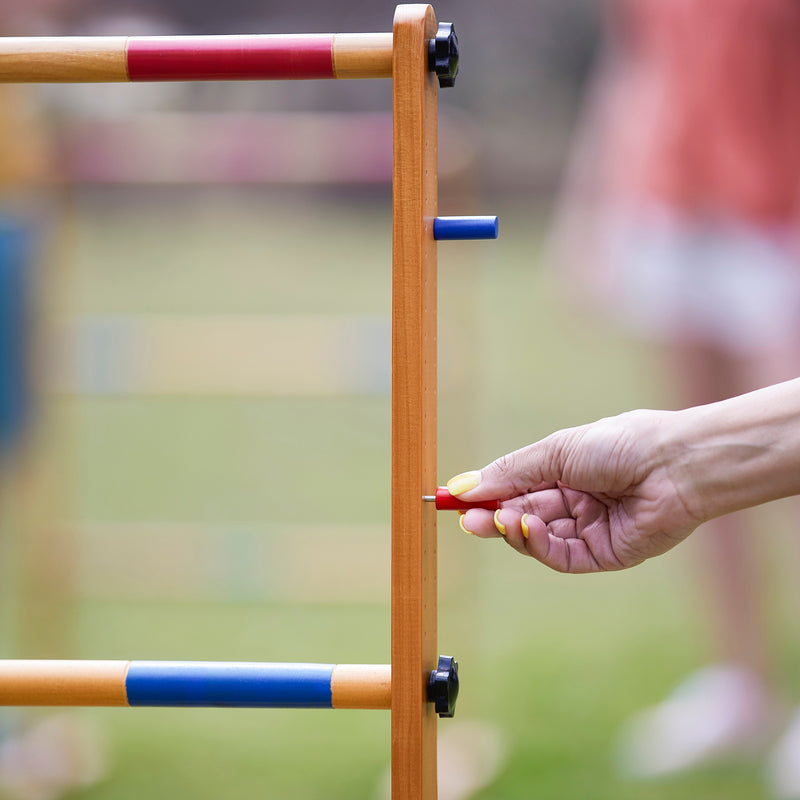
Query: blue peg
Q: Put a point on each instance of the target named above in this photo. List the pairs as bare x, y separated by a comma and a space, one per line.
452, 228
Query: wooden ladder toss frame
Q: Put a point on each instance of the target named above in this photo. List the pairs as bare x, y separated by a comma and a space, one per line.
403, 56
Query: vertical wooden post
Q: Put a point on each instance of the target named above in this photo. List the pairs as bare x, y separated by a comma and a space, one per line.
414, 591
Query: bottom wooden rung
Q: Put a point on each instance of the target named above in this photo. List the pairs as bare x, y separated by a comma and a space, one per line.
223, 684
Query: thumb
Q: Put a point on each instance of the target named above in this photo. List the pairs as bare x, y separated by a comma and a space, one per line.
532, 468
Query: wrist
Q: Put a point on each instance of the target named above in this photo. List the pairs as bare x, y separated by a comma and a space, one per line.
699, 458
737, 453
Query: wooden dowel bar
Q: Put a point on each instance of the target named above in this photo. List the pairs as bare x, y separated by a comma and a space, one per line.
195, 58
195, 684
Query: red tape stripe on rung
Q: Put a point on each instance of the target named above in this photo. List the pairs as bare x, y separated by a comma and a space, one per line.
208, 58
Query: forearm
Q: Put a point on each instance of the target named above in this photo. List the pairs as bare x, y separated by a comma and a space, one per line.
737, 453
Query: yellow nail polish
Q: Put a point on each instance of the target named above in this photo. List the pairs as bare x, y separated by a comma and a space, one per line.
526, 531
464, 482
461, 525
499, 525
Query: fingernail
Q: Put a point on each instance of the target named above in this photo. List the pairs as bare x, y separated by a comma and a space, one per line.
499, 525
526, 531
463, 528
464, 482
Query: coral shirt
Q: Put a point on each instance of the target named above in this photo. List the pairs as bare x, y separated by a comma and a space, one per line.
707, 105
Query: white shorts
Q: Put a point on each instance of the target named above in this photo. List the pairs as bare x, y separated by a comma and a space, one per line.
720, 282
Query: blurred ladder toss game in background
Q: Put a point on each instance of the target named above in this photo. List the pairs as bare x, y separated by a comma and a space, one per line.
418, 56
17, 245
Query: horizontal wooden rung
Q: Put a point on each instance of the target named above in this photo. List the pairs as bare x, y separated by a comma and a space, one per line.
196, 684
109, 59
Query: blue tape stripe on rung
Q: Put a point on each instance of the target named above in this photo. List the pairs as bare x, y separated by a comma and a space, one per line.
453, 228
229, 684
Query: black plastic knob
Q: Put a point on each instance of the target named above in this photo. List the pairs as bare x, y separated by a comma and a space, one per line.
443, 686
443, 54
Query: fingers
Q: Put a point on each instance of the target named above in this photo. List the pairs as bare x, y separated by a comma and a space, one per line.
570, 555
548, 505
549, 527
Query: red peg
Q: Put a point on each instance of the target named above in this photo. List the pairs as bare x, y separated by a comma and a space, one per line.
447, 502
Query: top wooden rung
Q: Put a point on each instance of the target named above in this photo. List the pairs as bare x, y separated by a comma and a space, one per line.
99, 59
110, 59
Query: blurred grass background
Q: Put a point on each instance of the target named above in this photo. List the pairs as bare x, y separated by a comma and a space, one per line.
554, 663
255, 527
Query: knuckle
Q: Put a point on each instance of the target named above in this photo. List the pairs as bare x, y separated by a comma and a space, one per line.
506, 465
509, 471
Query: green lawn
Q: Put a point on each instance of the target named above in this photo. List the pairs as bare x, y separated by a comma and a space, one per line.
555, 663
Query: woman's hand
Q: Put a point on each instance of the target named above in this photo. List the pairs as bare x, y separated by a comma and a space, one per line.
599, 497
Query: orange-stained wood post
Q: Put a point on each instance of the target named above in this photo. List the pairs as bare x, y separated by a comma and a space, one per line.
414, 594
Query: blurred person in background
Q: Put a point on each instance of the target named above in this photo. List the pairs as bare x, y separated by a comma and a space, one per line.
679, 219
42, 756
